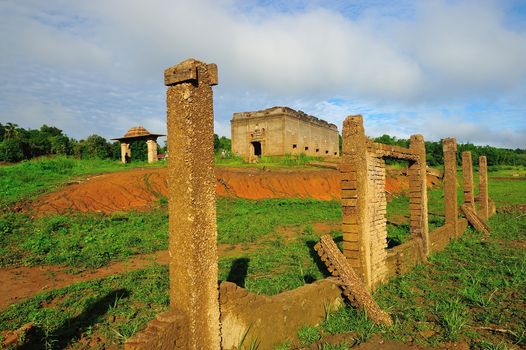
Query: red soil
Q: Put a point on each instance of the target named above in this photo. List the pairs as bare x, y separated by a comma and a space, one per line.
140, 188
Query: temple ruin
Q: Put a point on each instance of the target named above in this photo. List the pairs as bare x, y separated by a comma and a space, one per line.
205, 315
138, 133
280, 131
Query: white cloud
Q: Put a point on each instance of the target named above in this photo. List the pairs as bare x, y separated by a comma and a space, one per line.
103, 60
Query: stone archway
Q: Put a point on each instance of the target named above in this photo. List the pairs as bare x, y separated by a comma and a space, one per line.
138, 133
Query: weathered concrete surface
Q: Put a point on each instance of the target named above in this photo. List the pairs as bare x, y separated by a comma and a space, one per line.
467, 179
449, 147
418, 193
125, 152
273, 319
192, 208
483, 188
166, 332
356, 240
152, 151
193, 319
282, 130
353, 288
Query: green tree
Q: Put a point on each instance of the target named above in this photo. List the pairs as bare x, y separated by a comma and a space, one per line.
95, 146
11, 150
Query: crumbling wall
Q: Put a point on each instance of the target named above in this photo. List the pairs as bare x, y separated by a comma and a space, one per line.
270, 320
376, 217
364, 203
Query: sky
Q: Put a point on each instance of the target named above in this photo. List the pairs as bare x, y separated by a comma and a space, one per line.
437, 68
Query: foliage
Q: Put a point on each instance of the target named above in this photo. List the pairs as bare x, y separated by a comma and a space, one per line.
18, 144
434, 153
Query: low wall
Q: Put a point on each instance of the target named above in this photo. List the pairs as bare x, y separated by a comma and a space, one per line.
270, 320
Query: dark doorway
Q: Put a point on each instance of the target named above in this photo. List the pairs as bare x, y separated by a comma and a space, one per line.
257, 148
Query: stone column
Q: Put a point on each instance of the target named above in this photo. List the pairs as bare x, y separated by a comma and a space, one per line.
125, 151
356, 242
152, 151
418, 192
192, 209
483, 188
467, 179
449, 147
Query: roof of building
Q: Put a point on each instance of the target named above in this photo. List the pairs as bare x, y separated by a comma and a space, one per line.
137, 132
277, 110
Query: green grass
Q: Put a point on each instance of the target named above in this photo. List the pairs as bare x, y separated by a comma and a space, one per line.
286, 161
27, 179
434, 297
94, 240
80, 240
472, 283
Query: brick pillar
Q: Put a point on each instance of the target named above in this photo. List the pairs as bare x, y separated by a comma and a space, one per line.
467, 179
192, 208
449, 147
125, 151
152, 151
356, 245
483, 188
418, 192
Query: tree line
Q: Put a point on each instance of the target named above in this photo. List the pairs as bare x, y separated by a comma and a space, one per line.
18, 144
435, 156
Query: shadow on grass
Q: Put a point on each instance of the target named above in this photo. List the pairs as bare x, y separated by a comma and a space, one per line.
314, 255
238, 271
73, 328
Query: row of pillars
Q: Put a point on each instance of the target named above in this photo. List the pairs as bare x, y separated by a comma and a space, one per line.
451, 184
126, 151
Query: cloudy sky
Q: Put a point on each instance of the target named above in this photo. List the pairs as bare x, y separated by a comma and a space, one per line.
439, 68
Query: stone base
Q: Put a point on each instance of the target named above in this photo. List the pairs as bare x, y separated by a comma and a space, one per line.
167, 331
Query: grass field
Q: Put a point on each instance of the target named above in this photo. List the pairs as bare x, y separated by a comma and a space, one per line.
470, 288
288, 161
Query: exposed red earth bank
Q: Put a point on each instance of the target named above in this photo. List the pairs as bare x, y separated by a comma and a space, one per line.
139, 189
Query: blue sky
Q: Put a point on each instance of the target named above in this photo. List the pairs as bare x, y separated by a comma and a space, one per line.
439, 68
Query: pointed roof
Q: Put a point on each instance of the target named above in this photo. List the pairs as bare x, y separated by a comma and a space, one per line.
137, 132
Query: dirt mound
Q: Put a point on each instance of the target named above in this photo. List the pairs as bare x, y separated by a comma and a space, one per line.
138, 189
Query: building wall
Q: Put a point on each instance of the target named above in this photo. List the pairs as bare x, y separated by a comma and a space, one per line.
282, 133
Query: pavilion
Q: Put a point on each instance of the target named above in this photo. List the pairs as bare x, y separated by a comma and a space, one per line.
138, 133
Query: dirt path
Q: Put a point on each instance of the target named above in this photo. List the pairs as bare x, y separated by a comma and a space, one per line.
19, 283
139, 189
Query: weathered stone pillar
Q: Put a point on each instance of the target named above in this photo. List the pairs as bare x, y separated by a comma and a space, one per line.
152, 151
192, 201
125, 152
483, 188
467, 179
449, 147
356, 242
418, 192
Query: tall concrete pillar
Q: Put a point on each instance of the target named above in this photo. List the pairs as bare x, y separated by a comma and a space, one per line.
125, 152
192, 208
467, 179
483, 188
449, 147
152, 151
356, 241
418, 192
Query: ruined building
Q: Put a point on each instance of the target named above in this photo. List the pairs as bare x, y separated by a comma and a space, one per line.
138, 133
282, 130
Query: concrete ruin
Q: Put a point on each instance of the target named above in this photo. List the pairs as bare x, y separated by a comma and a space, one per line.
280, 131
204, 316
364, 202
138, 133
